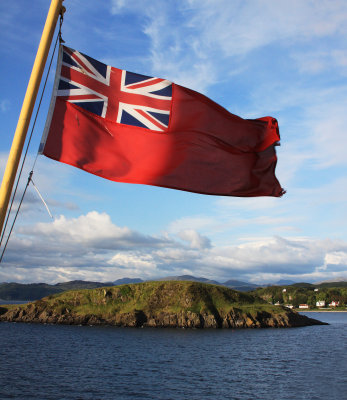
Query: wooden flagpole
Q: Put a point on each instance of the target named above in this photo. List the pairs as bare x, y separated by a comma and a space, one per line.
27, 108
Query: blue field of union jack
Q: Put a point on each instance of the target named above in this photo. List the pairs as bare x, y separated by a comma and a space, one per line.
118, 95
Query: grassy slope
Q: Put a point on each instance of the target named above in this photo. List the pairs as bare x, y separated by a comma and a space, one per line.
152, 297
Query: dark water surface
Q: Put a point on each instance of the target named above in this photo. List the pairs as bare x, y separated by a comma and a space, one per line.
75, 362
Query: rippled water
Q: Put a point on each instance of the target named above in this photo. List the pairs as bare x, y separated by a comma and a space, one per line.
75, 362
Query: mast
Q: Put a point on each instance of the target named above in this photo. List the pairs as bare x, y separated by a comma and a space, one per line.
55, 9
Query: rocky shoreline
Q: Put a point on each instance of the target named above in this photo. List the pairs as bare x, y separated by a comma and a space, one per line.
38, 313
171, 304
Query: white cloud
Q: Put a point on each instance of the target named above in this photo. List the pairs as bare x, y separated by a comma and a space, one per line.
94, 230
193, 222
329, 139
245, 26
320, 60
195, 240
176, 256
336, 258
299, 258
192, 51
141, 262
86, 228
91, 247
233, 216
117, 6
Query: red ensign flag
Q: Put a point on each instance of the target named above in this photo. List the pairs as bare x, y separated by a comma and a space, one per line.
132, 128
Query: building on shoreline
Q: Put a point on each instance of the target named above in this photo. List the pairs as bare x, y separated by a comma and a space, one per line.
320, 303
334, 303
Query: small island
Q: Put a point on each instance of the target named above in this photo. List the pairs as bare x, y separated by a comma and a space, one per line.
175, 304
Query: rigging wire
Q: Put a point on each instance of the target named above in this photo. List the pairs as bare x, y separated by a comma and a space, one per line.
15, 218
60, 40
42, 199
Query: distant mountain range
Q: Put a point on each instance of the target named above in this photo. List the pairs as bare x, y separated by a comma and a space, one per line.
34, 291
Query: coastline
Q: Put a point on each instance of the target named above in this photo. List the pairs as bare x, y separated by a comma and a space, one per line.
175, 304
327, 311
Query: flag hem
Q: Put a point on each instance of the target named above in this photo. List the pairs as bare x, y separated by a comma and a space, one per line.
53, 100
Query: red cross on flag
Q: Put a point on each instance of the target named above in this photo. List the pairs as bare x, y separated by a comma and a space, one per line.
133, 128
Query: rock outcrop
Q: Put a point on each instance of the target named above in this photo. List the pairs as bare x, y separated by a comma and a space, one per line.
157, 304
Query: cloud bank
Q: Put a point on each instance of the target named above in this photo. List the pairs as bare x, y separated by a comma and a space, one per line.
92, 247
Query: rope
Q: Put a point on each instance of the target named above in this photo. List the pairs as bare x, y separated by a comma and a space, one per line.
43, 201
20, 203
62, 11
59, 38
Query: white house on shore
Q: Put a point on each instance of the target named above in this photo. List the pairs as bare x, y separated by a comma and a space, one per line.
334, 303
304, 306
320, 303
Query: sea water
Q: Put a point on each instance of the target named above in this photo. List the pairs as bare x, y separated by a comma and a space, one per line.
84, 362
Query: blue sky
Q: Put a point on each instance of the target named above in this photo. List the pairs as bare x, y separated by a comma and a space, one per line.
255, 58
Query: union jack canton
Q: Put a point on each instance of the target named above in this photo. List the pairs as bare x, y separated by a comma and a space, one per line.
114, 94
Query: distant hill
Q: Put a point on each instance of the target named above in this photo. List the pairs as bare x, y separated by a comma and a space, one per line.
331, 284
124, 281
241, 286
183, 304
188, 278
34, 291
78, 284
337, 279
231, 283
301, 285
282, 282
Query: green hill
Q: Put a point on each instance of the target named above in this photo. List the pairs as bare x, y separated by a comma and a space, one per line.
34, 291
304, 294
157, 304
